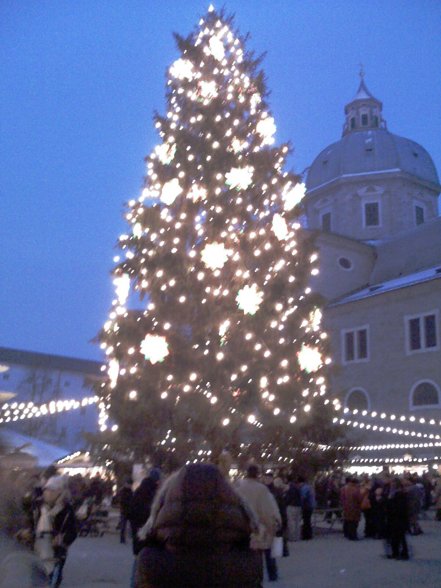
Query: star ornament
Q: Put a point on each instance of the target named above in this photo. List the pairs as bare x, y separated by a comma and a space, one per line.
182, 69
292, 195
170, 191
154, 348
280, 228
239, 177
309, 358
249, 298
215, 255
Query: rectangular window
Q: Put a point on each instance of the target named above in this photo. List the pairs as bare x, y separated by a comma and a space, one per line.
419, 215
355, 345
414, 334
430, 330
422, 333
371, 214
326, 222
364, 120
362, 343
349, 346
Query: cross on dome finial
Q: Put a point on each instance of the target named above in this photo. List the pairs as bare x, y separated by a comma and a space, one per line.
361, 72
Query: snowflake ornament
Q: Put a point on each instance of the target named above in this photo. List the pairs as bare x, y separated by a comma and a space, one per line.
224, 328
207, 90
215, 255
166, 152
249, 298
113, 372
122, 287
137, 230
170, 191
216, 48
182, 69
315, 318
309, 358
154, 348
239, 177
292, 195
237, 145
280, 228
197, 193
255, 100
266, 128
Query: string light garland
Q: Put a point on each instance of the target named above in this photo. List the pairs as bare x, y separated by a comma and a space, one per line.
387, 429
394, 460
386, 416
15, 411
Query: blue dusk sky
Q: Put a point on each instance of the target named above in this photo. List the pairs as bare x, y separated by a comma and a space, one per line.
80, 80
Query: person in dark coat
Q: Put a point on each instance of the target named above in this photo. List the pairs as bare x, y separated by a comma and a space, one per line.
125, 499
307, 502
397, 519
198, 535
293, 510
378, 502
141, 506
139, 511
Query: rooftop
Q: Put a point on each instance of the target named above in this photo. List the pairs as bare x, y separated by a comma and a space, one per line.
51, 362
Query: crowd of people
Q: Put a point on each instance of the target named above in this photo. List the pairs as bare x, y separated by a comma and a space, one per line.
197, 528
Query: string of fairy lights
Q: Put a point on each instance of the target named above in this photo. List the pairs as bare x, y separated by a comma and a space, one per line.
402, 418
17, 411
382, 429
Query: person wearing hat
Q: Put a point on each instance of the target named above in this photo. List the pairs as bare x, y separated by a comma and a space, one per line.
54, 528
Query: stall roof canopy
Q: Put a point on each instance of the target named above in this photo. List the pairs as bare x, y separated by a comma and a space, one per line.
44, 453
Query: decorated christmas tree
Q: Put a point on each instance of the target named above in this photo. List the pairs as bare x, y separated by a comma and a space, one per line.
214, 335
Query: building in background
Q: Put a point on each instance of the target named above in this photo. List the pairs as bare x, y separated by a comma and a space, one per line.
41, 378
372, 197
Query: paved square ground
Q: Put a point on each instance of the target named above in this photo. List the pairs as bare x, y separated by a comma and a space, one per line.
328, 561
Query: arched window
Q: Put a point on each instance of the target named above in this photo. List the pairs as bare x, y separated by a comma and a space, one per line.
424, 395
357, 399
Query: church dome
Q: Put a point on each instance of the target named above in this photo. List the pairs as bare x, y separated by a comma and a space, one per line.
374, 150
367, 147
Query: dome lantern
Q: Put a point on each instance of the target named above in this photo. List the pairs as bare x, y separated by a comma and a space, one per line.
364, 112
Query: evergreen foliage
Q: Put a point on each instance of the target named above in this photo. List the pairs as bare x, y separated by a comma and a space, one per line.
214, 336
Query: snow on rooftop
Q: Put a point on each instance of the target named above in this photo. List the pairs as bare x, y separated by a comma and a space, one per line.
395, 284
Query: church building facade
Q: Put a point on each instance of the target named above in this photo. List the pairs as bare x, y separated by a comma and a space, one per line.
372, 198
